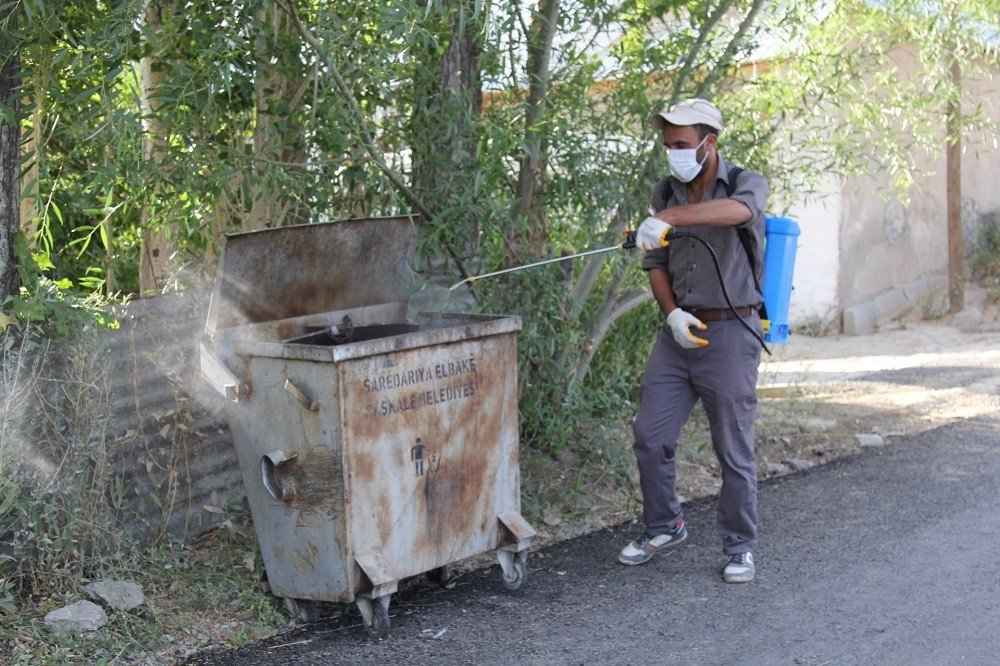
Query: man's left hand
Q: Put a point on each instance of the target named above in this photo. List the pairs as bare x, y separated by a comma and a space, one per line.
652, 234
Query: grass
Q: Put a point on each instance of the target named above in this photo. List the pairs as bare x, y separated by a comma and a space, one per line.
206, 592
196, 595
63, 526
586, 487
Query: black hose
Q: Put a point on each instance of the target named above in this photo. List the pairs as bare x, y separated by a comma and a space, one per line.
722, 283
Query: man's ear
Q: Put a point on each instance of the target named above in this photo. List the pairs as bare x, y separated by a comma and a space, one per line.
711, 140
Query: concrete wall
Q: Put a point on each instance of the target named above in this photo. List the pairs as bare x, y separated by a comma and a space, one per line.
885, 244
817, 263
981, 161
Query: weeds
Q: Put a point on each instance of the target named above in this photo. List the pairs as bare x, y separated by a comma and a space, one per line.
984, 260
934, 304
54, 451
196, 596
64, 523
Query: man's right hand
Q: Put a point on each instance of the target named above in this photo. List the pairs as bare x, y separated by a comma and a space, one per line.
680, 323
652, 234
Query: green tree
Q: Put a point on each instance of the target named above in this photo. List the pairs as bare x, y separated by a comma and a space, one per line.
514, 130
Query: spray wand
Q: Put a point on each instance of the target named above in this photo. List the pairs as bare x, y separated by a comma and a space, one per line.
629, 244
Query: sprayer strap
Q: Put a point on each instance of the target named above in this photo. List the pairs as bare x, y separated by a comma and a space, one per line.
744, 235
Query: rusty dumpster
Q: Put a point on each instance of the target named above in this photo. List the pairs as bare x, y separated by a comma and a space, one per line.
374, 446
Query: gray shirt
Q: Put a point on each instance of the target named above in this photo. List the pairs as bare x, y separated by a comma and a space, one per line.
689, 265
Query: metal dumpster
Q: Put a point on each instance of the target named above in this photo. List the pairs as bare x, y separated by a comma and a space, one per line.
373, 448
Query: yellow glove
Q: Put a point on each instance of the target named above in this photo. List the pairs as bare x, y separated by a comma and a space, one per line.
680, 323
652, 234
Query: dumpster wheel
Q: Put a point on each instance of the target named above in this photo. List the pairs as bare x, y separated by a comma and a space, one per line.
303, 611
514, 568
520, 577
377, 624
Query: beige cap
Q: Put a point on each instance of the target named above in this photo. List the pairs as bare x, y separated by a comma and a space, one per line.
694, 111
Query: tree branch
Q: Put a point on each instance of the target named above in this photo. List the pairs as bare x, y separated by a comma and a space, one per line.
593, 268
730, 52
612, 311
616, 224
629, 302
688, 66
616, 306
308, 81
367, 141
602, 324
600, 28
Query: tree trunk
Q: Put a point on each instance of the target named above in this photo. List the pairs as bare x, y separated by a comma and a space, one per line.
614, 307
528, 227
266, 87
448, 99
158, 245
365, 136
10, 191
218, 222
278, 93
956, 262
33, 151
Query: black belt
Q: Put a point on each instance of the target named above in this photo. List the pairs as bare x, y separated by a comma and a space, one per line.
722, 315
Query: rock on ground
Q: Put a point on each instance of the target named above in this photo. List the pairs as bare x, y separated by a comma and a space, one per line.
118, 594
818, 424
798, 464
967, 318
868, 440
775, 468
551, 518
81, 616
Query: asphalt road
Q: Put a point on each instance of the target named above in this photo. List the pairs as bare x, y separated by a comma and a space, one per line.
891, 556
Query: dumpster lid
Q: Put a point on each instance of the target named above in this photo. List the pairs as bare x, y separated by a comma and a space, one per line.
305, 269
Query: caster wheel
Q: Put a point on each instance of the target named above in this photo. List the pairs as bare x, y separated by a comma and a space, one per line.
520, 575
379, 626
303, 611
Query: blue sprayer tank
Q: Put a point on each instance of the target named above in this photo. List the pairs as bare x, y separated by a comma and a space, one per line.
781, 240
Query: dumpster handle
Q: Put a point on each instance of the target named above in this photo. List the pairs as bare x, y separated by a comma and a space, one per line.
270, 468
301, 397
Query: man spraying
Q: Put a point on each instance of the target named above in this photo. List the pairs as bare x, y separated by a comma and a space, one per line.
724, 205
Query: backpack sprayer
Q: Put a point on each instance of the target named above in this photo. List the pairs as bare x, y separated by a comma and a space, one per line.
779, 263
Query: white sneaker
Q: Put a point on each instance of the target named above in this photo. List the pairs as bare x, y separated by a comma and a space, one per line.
647, 545
740, 568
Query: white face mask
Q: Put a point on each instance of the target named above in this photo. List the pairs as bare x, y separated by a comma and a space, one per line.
683, 162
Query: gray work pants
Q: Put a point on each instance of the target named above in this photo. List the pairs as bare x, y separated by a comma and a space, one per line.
724, 375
